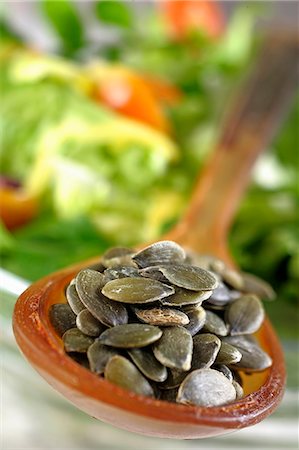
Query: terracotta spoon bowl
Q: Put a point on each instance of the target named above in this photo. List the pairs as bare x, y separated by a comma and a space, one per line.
248, 128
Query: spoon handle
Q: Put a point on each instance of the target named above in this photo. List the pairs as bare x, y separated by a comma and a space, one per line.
254, 117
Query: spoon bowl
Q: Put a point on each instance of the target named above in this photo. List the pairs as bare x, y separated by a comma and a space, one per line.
248, 129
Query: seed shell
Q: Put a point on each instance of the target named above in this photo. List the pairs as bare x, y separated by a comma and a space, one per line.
239, 389
62, 318
174, 349
221, 295
115, 273
98, 356
197, 318
233, 279
206, 387
254, 285
189, 277
159, 252
225, 370
88, 324
253, 357
131, 335
73, 298
183, 297
118, 256
122, 372
148, 364
245, 315
89, 284
205, 349
136, 290
228, 354
162, 316
214, 324
75, 341
174, 379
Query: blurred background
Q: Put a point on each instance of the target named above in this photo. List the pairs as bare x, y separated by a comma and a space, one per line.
108, 112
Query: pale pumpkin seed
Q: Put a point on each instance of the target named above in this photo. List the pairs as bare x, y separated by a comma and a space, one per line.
239, 389
197, 318
174, 349
122, 372
206, 387
228, 354
183, 297
205, 350
159, 252
98, 356
254, 285
233, 279
75, 341
148, 364
221, 295
62, 318
253, 357
136, 290
245, 315
162, 316
89, 284
88, 324
73, 298
225, 370
118, 256
120, 272
214, 324
130, 335
189, 277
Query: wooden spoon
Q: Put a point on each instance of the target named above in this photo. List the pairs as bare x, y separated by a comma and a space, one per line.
255, 116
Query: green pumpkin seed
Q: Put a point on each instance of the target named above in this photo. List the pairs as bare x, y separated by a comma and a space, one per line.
206, 387
136, 290
239, 389
197, 318
88, 324
115, 273
73, 298
253, 357
148, 364
214, 324
122, 372
174, 379
225, 370
233, 279
98, 356
245, 315
75, 341
118, 256
228, 354
183, 297
89, 284
154, 273
130, 335
162, 316
207, 262
98, 267
205, 349
174, 349
221, 295
62, 318
159, 252
189, 277
254, 285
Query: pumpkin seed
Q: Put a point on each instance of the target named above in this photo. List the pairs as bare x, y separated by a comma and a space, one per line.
233, 279
183, 297
225, 370
130, 335
136, 290
154, 273
228, 354
253, 357
189, 277
122, 372
214, 324
148, 364
98, 267
206, 387
245, 315
88, 324
98, 356
118, 256
88, 285
80, 358
205, 349
75, 341
162, 316
120, 272
174, 379
62, 318
221, 295
73, 298
239, 389
174, 349
159, 252
254, 285
169, 395
197, 318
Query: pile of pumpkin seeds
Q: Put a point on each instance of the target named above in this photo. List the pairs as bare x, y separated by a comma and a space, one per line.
165, 323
